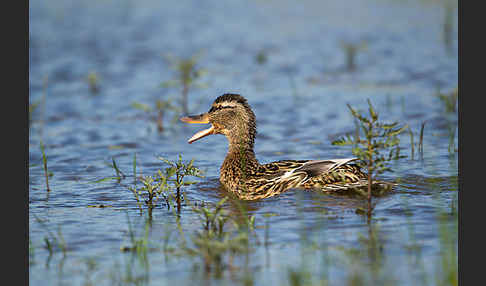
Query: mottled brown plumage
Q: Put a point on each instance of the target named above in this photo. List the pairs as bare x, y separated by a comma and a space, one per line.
242, 174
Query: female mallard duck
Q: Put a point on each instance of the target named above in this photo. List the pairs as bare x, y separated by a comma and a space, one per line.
241, 173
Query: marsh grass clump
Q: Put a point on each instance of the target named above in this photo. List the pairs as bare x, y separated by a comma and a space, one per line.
421, 140
119, 175
152, 188
164, 182
47, 174
452, 135
378, 137
93, 81
180, 170
412, 144
449, 100
261, 57
420, 150
351, 50
161, 108
187, 74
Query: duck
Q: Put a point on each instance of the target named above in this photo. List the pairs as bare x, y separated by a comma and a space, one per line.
241, 173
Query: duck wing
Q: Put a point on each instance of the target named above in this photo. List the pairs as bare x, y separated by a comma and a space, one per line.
276, 177
319, 167
304, 169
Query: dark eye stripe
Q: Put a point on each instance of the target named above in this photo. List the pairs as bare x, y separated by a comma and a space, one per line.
213, 109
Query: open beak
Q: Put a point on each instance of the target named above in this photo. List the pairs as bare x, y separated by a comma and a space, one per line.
199, 119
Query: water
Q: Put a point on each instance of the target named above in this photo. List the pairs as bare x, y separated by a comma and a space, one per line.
299, 96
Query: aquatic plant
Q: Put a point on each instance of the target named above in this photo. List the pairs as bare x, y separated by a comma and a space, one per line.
187, 74
47, 174
119, 175
379, 137
93, 82
412, 145
350, 50
420, 150
161, 108
261, 57
449, 100
162, 183
452, 135
151, 189
180, 169
421, 140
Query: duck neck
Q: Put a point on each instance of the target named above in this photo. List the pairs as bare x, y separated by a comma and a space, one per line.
241, 156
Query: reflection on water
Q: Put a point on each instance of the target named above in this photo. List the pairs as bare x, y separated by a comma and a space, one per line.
288, 60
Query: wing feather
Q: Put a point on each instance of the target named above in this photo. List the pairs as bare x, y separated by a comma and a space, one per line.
319, 167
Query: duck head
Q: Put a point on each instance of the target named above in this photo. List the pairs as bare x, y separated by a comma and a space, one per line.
229, 115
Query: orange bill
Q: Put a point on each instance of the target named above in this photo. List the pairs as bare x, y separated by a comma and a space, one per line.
199, 119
